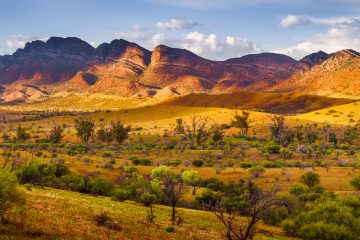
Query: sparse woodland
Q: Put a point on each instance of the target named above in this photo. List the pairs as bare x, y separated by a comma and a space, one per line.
279, 180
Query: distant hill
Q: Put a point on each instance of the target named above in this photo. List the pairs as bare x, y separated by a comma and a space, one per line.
288, 103
42, 69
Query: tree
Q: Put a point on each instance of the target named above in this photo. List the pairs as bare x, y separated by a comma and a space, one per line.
355, 182
104, 134
120, 132
56, 134
9, 193
194, 131
148, 199
278, 128
172, 186
310, 179
217, 132
191, 179
22, 134
84, 129
179, 126
299, 134
7, 154
244, 199
242, 122
311, 133
350, 134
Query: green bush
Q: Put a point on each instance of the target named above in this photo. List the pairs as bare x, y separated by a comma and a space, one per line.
99, 186
121, 194
246, 164
326, 220
310, 178
256, 171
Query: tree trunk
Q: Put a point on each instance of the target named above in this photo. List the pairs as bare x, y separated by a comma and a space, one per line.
173, 213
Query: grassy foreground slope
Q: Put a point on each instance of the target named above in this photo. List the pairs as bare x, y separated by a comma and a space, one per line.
57, 214
343, 114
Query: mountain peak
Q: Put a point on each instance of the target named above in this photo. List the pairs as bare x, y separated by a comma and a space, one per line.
314, 59
263, 59
347, 52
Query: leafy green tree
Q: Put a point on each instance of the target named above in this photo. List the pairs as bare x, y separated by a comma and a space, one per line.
191, 179
170, 184
242, 122
120, 132
9, 193
310, 179
148, 200
84, 129
56, 134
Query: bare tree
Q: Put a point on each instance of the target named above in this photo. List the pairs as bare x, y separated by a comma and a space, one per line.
195, 130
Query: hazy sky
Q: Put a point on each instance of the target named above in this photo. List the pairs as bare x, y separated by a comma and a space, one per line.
216, 29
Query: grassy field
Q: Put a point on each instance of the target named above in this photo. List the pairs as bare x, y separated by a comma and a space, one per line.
57, 214
343, 114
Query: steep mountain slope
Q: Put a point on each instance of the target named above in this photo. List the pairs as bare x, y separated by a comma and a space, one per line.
187, 72
336, 76
112, 69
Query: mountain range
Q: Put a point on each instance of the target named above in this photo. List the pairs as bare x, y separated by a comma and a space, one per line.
123, 68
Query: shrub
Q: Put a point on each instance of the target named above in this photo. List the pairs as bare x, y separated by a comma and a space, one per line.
355, 182
73, 182
297, 189
102, 218
9, 194
198, 163
310, 179
274, 148
329, 220
170, 229
98, 186
246, 164
256, 171
28, 186
121, 194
